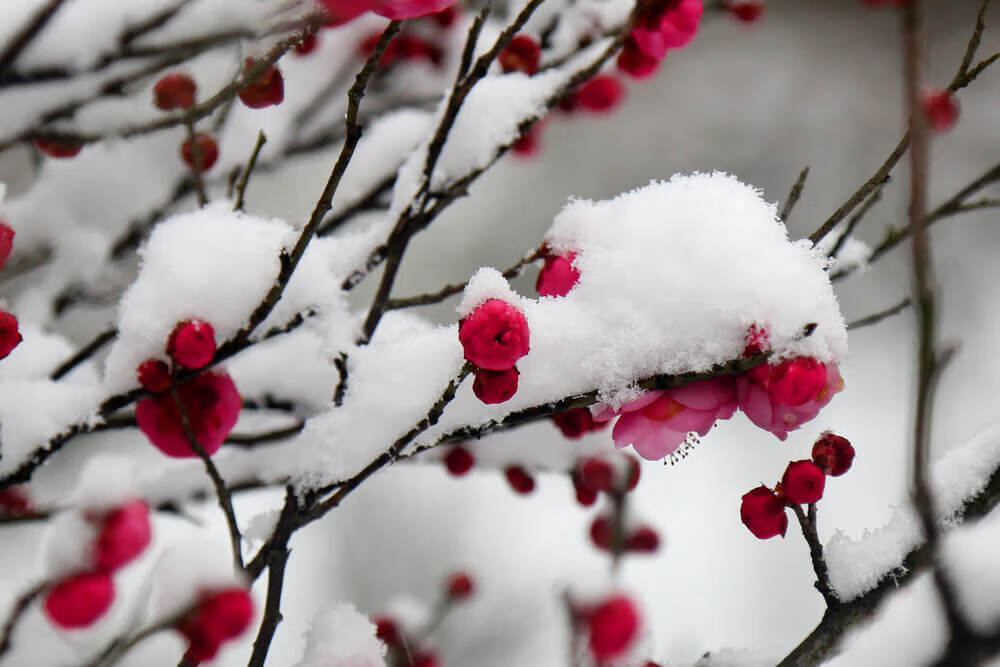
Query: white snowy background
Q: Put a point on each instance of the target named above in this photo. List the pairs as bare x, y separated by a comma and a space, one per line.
814, 83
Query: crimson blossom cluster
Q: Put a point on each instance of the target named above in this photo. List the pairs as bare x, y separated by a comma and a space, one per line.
762, 509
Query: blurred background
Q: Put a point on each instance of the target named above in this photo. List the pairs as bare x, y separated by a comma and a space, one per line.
813, 83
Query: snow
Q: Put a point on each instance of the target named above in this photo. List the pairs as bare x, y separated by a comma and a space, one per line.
858, 565
215, 265
341, 636
727, 262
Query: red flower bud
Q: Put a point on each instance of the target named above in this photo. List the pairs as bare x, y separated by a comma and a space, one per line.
495, 386
494, 335
460, 586
747, 11
6, 242
833, 454
643, 540
219, 617
519, 479
174, 91
602, 93
124, 534
635, 62
577, 422
763, 513
803, 482
266, 91
192, 344
942, 109
613, 625
212, 404
79, 600
602, 532
558, 276
10, 335
521, 55
209, 152
585, 495
459, 461
387, 630
58, 148
426, 659
154, 375
14, 501
632, 473
597, 474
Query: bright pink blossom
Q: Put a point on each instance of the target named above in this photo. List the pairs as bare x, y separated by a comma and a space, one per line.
79, 600
123, 535
558, 275
212, 404
667, 24
613, 625
658, 422
494, 335
765, 395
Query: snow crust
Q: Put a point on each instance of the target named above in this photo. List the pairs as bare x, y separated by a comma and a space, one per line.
858, 565
341, 636
215, 265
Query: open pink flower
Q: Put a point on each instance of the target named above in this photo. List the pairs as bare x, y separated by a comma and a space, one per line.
780, 398
658, 422
667, 24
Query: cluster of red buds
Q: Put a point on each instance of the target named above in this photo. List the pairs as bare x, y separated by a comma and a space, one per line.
494, 336
208, 403
762, 509
80, 599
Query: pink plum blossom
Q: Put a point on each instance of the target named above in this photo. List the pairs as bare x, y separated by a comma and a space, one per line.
657, 423
771, 398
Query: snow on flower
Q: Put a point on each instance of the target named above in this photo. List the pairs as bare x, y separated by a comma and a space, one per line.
724, 262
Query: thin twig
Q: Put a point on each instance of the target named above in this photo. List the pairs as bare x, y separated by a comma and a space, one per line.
794, 195
390, 455
241, 185
449, 290
197, 163
808, 524
16, 46
17, 613
875, 318
84, 353
852, 224
289, 260
929, 363
224, 496
275, 556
